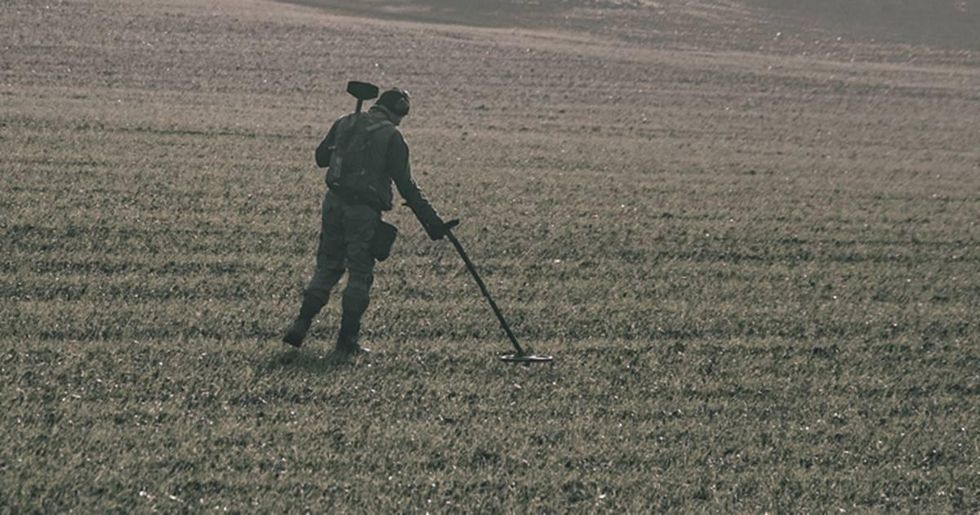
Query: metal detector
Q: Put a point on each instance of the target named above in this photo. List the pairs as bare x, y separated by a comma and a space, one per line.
521, 356
362, 91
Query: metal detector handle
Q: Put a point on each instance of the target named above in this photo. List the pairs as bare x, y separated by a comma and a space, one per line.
483, 287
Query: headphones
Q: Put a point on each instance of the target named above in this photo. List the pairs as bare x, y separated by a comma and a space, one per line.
396, 100
401, 106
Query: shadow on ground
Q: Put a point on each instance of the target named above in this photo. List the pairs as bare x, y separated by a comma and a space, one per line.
295, 359
480, 13
950, 24
947, 24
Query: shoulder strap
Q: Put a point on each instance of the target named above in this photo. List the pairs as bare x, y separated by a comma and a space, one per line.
345, 127
377, 125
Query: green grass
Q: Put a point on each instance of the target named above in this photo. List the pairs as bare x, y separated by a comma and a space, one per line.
759, 272
767, 424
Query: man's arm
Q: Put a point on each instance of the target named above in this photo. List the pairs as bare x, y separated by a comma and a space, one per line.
400, 171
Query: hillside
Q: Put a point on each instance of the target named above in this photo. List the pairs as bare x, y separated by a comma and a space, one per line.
782, 26
943, 23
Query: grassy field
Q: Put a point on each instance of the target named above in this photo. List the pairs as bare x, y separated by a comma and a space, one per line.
750, 241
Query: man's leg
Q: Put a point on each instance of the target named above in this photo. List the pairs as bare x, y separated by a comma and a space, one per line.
329, 269
360, 223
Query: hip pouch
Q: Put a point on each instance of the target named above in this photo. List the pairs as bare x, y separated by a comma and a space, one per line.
383, 239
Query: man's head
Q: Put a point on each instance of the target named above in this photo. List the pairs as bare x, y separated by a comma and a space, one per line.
396, 101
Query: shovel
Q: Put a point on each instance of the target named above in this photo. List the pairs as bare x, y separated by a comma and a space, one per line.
362, 91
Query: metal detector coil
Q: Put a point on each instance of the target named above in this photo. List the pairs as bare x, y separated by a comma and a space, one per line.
525, 358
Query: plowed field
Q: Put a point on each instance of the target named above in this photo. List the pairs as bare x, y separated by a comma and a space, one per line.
750, 241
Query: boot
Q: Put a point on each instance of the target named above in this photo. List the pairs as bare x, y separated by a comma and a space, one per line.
297, 331
347, 338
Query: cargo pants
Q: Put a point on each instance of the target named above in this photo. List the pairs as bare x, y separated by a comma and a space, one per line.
346, 231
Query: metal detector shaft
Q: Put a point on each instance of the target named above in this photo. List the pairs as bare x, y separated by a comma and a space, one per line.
486, 293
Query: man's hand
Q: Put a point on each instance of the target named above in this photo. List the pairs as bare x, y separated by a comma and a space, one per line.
437, 229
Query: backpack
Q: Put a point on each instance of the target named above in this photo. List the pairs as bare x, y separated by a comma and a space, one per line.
357, 159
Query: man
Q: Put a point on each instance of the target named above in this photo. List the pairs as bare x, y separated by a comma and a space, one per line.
364, 153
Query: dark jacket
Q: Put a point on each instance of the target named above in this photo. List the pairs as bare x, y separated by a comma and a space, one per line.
396, 168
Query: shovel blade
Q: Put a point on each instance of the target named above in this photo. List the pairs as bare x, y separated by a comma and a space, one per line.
362, 90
